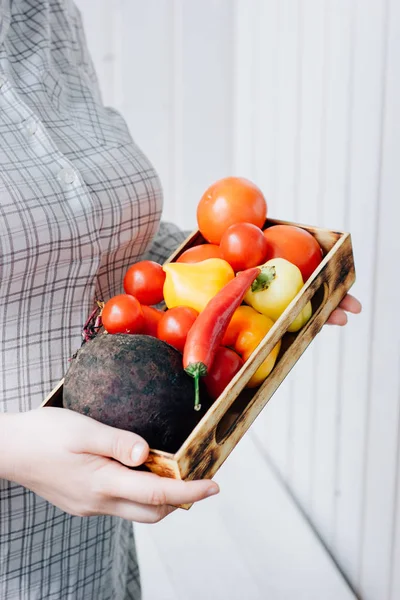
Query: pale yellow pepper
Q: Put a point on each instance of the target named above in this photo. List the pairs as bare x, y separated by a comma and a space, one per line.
194, 284
279, 282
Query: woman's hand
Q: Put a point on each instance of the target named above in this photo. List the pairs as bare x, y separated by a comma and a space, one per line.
348, 304
74, 462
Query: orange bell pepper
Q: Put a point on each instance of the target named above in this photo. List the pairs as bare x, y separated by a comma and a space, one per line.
245, 331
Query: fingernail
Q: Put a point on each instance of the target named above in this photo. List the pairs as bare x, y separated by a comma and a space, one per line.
212, 490
138, 451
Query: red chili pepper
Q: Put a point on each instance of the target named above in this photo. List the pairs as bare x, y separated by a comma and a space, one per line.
207, 331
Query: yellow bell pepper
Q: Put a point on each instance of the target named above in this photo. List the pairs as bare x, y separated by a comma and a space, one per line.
245, 331
194, 284
274, 289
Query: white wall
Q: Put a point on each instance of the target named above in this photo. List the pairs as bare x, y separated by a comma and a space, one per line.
301, 96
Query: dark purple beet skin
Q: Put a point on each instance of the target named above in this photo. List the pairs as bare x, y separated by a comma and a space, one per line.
134, 382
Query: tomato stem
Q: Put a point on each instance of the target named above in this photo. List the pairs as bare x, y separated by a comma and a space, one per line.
196, 370
264, 279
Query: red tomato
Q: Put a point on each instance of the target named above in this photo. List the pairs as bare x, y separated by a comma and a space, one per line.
145, 281
199, 253
297, 245
229, 201
174, 325
152, 317
225, 366
122, 314
244, 246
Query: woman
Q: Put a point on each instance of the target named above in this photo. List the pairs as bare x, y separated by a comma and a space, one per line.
79, 203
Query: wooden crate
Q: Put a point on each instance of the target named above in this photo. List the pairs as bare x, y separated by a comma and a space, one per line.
221, 428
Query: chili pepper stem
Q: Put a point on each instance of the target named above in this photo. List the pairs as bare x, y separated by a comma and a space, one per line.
197, 405
264, 279
196, 370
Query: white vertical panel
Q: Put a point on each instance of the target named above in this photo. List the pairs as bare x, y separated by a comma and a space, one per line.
384, 383
244, 84
288, 58
175, 150
264, 91
363, 207
332, 168
146, 68
178, 99
395, 554
278, 35
207, 85
101, 22
310, 107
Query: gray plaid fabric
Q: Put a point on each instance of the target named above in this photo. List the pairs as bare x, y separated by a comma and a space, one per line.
78, 204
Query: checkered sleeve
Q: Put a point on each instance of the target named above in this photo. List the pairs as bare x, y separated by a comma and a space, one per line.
166, 241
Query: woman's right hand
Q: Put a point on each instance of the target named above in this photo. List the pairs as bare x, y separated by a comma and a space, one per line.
78, 464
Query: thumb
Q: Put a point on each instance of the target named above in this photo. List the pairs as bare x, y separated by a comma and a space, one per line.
124, 446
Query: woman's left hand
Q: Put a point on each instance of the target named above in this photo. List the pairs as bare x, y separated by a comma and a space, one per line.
348, 304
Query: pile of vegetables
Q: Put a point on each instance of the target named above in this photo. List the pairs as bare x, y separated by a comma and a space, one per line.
222, 297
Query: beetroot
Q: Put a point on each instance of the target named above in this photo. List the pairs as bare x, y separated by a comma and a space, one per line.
134, 382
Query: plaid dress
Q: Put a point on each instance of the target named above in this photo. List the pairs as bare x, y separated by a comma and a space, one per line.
78, 204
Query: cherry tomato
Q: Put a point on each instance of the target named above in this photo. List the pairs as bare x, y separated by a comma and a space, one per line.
122, 314
225, 366
174, 325
244, 246
145, 281
199, 253
152, 317
229, 201
297, 245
